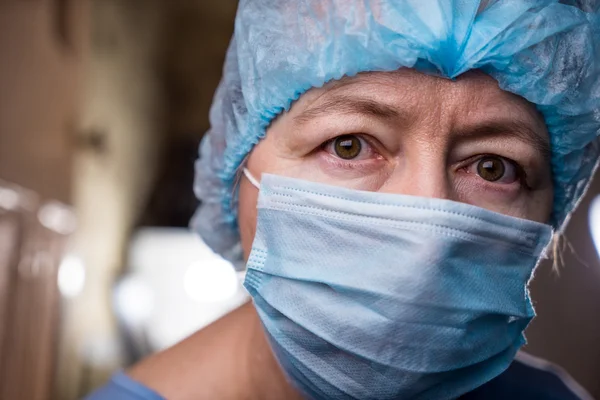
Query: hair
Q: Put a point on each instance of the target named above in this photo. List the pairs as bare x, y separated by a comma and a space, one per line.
560, 243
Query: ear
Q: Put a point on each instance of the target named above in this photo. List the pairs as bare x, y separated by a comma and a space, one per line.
247, 213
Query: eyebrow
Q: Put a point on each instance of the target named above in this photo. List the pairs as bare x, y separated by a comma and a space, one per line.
344, 104
516, 129
348, 104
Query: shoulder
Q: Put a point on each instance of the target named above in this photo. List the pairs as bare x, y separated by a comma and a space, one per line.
531, 378
208, 364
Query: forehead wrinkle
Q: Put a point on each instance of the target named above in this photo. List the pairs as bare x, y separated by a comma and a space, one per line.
373, 97
515, 129
402, 77
348, 104
492, 111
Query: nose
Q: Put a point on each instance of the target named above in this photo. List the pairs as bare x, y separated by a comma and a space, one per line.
426, 175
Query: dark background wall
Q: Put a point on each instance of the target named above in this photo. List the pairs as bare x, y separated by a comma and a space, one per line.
567, 300
42, 47
102, 105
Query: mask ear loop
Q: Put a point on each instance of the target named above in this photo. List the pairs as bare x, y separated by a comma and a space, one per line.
251, 178
236, 183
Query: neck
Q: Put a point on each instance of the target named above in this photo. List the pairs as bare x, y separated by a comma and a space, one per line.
263, 375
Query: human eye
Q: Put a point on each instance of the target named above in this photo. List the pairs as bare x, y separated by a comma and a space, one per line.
352, 157
350, 148
497, 170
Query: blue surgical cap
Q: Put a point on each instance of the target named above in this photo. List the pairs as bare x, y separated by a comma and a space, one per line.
546, 51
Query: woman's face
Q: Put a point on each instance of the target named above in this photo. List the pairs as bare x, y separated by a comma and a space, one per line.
408, 133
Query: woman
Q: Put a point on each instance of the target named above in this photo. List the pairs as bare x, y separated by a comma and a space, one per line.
389, 217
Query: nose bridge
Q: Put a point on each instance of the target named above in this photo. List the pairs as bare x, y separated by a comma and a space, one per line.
423, 172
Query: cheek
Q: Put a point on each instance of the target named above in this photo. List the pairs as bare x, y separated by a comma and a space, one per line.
535, 206
541, 205
247, 215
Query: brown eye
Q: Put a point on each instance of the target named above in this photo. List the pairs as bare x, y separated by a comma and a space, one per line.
347, 147
490, 168
494, 169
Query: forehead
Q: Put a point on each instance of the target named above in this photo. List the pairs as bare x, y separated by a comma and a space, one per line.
471, 106
473, 92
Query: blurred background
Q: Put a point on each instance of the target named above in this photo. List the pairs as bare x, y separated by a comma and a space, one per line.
102, 106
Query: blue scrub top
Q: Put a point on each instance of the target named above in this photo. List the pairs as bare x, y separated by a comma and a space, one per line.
122, 387
523, 380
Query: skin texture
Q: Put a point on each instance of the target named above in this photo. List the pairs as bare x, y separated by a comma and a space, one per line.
419, 135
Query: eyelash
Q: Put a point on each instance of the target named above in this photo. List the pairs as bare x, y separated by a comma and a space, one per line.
519, 170
367, 145
464, 165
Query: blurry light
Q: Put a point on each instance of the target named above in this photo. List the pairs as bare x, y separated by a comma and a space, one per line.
210, 280
101, 351
134, 300
71, 276
57, 217
9, 199
595, 222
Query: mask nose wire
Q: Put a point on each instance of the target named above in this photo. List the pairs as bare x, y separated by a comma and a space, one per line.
251, 178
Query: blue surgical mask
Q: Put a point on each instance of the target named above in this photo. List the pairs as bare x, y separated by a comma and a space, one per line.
369, 295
